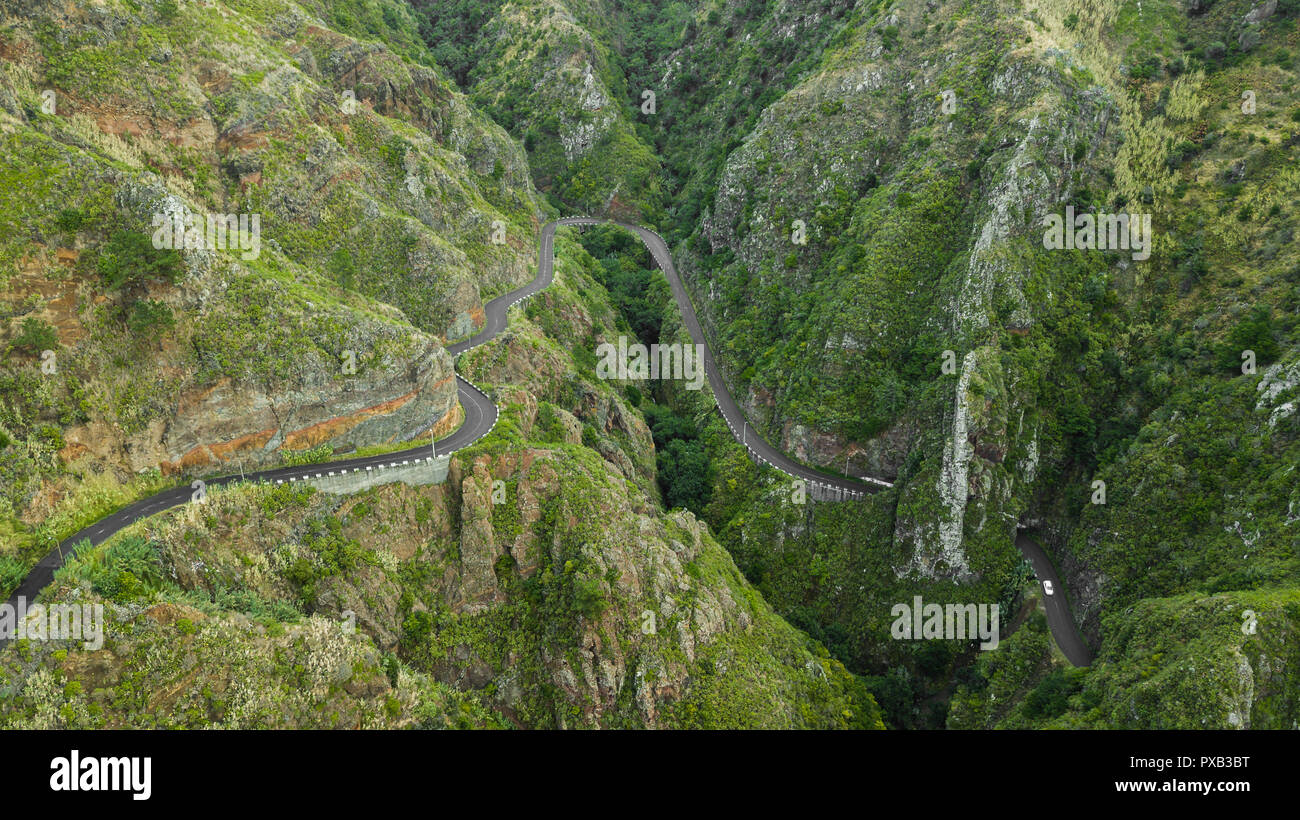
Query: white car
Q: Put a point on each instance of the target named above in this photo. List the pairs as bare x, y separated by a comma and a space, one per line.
1047, 587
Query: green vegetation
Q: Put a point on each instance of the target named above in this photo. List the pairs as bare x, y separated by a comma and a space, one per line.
451, 28
129, 258
312, 455
150, 320
127, 570
683, 463
922, 333
639, 294
35, 336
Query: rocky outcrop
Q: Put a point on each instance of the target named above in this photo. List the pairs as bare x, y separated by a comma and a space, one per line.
560, 85
388, 210
1277, 390
214, 427
560, 598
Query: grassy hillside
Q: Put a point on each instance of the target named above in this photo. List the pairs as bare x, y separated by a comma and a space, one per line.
377, 190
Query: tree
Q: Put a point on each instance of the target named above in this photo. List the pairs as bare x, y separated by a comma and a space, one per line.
1050, 698
36, 335
1253, 332
148, 320
70, 219
343, 268
665, 425
684, 475
129, 258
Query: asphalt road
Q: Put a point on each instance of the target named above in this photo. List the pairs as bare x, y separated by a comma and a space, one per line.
744, 432
481, 416
1058, 611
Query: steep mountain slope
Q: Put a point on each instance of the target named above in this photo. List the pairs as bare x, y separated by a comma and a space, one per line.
926, 234
872, 185
859, 195
359, 175
547, 71
539, 586
570, 603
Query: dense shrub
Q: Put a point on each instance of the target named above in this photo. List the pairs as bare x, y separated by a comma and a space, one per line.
36, 335
129, 258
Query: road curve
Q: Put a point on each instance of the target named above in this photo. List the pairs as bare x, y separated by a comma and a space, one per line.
838, 486
481, 416
1058, 611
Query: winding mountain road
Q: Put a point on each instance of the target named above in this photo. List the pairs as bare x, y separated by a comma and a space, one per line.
829, 486
1059, 620
481, 416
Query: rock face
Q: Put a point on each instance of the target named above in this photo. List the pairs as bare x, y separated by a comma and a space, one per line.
560, 82
337, 378
387, 210
533, 580
478, 548
394, 399
1278, 381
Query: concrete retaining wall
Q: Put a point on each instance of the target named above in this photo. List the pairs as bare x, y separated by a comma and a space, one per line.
428, 470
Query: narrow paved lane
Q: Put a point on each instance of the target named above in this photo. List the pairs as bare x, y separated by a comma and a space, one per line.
1058, 614
744, 432
1059, 619
481, 416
